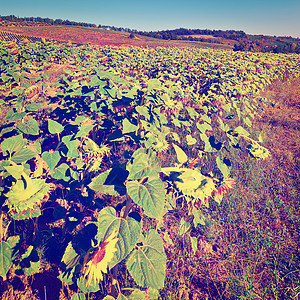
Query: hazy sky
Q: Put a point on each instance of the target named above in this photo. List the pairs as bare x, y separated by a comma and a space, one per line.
269, 17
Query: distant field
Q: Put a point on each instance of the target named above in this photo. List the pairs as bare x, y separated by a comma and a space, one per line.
202, 36
100, 37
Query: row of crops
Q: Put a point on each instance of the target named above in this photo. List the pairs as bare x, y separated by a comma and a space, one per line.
9, 36
115, 143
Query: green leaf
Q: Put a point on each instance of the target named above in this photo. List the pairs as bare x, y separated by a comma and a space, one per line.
54, 127
97, 184
68, 277
199, 218
13, 143
241, 131
78, 296
128, 127
72, 146
143, 111
6, 254
181, 156
150, 294
145, 163
30, 127
3, 164
208, 147
128, 232
13, 116
33, 106
190, 140
194, 243
82, 284
33, 267
17, 91
23, 155
206, 118
225, 170
122, 297
84, 130
60, 172
51, 158
15, 171
109, 298
149, 194
184, 226
248, 122
6, 130
203, 127
147, 264
71, 257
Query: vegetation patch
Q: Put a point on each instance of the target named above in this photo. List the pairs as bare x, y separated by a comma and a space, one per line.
141, 173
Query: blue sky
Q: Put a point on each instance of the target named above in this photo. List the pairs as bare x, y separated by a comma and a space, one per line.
269, 17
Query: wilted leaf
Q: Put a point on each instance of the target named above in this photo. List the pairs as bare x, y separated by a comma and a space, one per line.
184, 226
199, 218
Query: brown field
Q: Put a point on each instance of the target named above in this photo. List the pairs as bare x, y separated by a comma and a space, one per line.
100, 37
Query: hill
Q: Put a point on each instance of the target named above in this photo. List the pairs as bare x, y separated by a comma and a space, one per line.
65, 30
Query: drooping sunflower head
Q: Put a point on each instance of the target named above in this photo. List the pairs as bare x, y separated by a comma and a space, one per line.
98, 264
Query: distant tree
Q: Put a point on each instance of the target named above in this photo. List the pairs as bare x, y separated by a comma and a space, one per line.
132, 36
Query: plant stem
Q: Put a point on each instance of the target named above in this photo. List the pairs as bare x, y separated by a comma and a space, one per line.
128, 206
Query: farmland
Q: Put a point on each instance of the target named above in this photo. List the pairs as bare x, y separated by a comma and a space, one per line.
100, 37
147, 172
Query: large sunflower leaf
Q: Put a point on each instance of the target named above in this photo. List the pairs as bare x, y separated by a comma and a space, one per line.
23, 155
147, 264
149, 194
30, 127
145, 163
98, 184
128, 232
13, 143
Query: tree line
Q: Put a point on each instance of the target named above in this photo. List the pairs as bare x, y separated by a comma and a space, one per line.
178, 34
